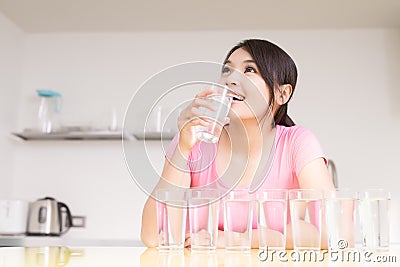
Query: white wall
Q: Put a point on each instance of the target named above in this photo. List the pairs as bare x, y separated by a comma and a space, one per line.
11, 43
347, 94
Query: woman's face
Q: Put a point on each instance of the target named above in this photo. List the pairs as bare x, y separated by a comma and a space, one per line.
242, 76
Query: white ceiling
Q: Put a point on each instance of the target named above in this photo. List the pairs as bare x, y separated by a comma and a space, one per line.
162, 15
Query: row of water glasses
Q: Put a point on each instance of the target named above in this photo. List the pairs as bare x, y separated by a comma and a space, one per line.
350, 214
187, 210
197, 211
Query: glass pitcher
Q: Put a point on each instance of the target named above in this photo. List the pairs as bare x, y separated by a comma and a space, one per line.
49, 110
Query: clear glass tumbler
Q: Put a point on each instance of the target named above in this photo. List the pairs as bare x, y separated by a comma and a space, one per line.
306, 218
220, 104
272, 218
374, 219
341, 218
238, 219
203, 219
171, 218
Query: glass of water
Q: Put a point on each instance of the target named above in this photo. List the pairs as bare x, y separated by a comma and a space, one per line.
306, 218
220, 103
203, 219
340, 218
374, 219
171, 218
271, 219
238, 221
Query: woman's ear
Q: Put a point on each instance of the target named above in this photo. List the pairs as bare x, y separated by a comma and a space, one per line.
285, 91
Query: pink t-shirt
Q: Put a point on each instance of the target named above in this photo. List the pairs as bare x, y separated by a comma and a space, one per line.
294, 147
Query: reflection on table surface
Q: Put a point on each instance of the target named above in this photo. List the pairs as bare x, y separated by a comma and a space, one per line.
141, 256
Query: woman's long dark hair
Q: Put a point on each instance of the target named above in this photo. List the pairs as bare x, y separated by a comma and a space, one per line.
276, 67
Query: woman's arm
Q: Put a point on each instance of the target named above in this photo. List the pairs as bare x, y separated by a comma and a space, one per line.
175, 169
175, 172
254, 239
314, 175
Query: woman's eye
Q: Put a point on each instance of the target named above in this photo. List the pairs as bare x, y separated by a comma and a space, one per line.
226, 69
250, 69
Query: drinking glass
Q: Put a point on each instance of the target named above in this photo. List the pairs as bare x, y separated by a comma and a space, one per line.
340, 218
238, 218
220, 103
374, 219
171, 218
203, 219
306, 218
271, 219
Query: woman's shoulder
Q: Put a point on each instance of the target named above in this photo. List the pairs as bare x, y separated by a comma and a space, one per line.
293, 132
297, 137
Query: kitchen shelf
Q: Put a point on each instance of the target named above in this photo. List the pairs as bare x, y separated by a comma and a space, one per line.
93, 135
72, 135
150, 135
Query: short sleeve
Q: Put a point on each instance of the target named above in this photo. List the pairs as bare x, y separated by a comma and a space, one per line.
306, 148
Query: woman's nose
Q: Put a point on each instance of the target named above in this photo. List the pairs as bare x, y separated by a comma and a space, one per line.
232, 79
231, 83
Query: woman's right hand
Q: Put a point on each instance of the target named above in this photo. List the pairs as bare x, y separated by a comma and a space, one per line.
190, 118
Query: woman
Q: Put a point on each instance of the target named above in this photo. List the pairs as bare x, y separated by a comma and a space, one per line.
262, 91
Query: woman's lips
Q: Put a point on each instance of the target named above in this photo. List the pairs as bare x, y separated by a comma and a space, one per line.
236, 101
236, 97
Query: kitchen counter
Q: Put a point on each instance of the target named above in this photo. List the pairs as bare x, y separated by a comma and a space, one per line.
141, 256
37, 241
